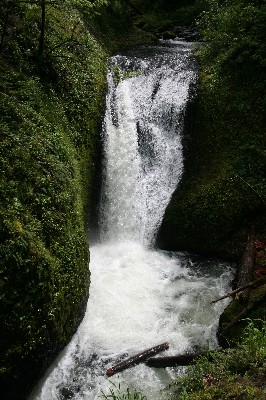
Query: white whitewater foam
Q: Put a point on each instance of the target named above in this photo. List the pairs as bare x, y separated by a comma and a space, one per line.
138, 298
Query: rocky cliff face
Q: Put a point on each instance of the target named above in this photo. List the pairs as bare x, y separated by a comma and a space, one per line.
50, 121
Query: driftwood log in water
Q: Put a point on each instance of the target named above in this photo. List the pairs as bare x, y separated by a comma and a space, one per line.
137, 359
180, 360
173, 361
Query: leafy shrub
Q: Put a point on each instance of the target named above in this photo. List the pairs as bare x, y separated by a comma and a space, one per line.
234, 33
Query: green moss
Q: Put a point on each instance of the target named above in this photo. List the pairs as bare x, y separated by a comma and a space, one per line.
114, 29
44, 256
50, 122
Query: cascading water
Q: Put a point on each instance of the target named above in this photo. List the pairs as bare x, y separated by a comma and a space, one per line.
143, 153
140, 297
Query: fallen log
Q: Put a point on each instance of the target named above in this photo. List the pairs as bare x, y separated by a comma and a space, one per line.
172, 361
181, 359
256, 283
137, 359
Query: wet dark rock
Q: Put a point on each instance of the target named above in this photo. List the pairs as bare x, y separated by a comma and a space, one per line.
168, 35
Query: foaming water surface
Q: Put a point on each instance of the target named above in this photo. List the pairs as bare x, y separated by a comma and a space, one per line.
139, 296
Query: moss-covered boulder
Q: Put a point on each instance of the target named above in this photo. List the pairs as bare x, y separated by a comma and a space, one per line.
44, 254
222, 192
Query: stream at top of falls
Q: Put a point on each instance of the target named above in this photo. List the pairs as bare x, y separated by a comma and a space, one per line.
139, 296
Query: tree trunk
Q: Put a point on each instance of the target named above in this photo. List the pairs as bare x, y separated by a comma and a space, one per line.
180, 360
137, 359
3, 35
42, 33
246, 266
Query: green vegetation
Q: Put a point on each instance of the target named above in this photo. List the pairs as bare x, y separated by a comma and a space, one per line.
119, 394
223, 191
114, 28
237, 373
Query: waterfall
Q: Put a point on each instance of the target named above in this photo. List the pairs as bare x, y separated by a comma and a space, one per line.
143, 141
139, 296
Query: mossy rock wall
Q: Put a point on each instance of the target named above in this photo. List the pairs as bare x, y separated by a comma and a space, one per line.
222, 192
50, 119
